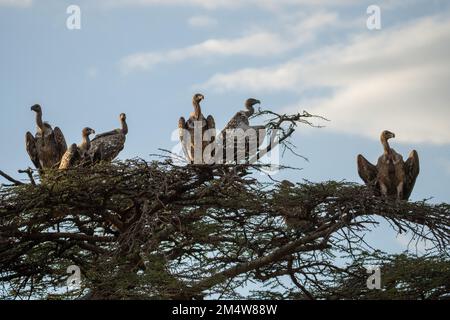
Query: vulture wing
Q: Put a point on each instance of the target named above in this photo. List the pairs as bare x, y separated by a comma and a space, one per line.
412, 169
238, 121
182, 127
32, 150
94, 157
367, 171
61, 144
110, 146
211, 124
106, 134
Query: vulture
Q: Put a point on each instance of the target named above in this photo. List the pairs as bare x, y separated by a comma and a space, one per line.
71, 158
241, 121
185, 127
391, 177
77, 154
48, 146
107, 146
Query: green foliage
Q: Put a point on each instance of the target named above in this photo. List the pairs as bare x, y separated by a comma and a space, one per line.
141, 230
403, 277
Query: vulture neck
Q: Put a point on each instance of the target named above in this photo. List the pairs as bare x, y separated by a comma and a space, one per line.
385, 143
39, 122
197, 109
85, 143
250, 110
124, 126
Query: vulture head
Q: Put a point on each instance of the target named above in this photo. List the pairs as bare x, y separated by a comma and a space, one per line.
251, 102
73, 149
36, 108
198, 97
249, 105
123, 121
87, 132
386, 135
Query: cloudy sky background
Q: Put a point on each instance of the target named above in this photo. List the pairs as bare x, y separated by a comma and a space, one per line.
148, 57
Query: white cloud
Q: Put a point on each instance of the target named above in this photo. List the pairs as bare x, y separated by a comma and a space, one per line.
394, 79
16, 3
202, 21
257, 44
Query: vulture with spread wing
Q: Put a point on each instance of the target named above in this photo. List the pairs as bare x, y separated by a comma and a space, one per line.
48, 146
391, 177
194, 129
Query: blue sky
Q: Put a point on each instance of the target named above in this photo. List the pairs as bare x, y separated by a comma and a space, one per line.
148, 57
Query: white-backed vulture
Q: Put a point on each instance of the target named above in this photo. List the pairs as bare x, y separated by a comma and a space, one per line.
391, 177
108, 145
76, 155
187, 130
241, 120
48, 146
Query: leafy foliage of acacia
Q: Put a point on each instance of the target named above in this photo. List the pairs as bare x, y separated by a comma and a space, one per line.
155, 230
403, 277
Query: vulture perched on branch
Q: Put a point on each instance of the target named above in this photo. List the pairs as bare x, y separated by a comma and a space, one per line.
76, 155
391, 177
108, 145
48, 146
241, 120
187, 131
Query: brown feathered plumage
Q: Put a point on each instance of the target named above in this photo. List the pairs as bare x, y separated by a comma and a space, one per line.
108, 145
187, 131
71, 158
241, 120
77, 155
391, 177
48, 146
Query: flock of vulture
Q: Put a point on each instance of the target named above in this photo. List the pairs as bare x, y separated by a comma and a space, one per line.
48, 149
197, 123
390, 177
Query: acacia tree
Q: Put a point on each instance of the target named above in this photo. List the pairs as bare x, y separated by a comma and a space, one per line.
157, 230
404, 276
